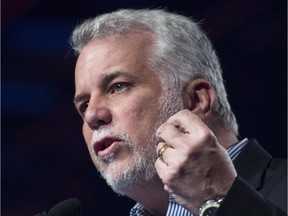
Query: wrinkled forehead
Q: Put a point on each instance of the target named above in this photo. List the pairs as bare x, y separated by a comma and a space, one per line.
115, 53
128, 43
136, 34
133, 45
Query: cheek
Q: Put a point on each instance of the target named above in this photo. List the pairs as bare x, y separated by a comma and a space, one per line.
141, 111
141, 117
148, 110
87, 133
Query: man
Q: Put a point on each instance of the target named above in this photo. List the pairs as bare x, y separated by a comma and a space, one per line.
157, 122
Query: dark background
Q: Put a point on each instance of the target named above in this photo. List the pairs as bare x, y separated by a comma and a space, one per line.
44, 158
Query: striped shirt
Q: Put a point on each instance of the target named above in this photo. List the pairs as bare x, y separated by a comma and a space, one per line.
174, 209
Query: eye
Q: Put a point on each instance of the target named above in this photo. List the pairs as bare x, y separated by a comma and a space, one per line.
117, 87
83, 107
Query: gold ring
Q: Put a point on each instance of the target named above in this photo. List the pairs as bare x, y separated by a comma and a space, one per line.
161, 151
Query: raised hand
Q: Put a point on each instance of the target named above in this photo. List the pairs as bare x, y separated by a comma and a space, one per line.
195, 167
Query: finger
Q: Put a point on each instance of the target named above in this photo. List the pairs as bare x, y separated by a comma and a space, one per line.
161, 168
167, 174
191, 123
184, 116
159, 146
170, 134
167, 188
162, 150
170, 157
185, 119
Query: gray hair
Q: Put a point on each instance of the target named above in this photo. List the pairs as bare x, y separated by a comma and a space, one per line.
182, 51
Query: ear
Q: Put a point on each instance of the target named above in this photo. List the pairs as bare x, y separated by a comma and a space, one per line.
200, 97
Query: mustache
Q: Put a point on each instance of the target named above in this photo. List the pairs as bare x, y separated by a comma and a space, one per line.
98, 135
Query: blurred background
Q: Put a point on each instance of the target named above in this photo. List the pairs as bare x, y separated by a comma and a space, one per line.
44, 158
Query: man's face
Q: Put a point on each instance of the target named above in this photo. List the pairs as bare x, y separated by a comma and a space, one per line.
120, 99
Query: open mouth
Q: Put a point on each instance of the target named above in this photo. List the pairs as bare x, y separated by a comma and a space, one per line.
104, 144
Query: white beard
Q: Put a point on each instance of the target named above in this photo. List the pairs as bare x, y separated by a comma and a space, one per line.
141, 167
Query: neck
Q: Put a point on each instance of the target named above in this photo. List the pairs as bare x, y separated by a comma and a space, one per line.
152, 196
226, 138
224, 135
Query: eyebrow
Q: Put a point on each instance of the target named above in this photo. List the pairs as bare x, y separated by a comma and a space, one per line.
107, 78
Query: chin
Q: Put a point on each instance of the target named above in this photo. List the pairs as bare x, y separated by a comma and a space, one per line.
125, 176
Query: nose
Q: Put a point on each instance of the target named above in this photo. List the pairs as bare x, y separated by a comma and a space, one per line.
97, 115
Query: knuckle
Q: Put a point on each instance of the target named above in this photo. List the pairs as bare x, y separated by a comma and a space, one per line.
193, 115
159, 130
185, 112
182, 113
162, 128
207, 135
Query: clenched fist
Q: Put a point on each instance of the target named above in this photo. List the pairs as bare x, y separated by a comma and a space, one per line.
195, 167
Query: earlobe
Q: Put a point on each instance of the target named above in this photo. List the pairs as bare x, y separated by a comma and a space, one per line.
200, 96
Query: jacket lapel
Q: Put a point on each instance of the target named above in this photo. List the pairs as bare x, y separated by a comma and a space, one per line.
251, 163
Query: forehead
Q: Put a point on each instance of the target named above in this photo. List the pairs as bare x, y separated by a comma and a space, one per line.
129, 46
102, 56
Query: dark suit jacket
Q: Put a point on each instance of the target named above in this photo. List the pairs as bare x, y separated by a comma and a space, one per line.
260, 187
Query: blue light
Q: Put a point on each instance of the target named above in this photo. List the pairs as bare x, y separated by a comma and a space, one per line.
38, 37
27, 98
